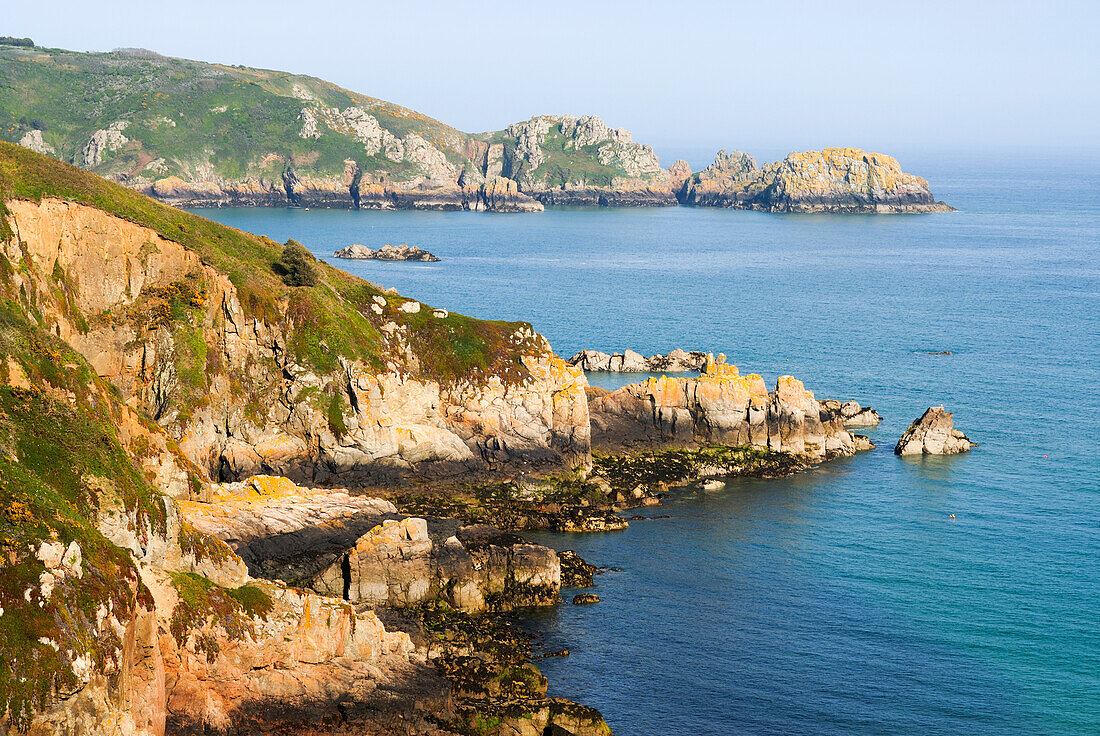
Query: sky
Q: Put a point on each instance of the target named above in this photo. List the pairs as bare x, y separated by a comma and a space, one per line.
684, 76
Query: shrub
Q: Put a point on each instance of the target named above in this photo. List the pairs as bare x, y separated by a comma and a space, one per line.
296, 265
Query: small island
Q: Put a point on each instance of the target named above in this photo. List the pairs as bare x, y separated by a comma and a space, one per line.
387, 252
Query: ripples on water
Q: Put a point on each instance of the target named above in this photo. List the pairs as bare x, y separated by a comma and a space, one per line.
844, 600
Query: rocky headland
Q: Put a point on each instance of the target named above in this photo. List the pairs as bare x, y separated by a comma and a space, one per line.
302, 141
387, 252
165, 380
844, 180
933, 433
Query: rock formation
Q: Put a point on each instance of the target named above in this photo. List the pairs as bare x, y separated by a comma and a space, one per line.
131, 366
852, 414
933, 433
676, 361
566, 160
266, 408
472, 568
387, 252
720, 407
833, 180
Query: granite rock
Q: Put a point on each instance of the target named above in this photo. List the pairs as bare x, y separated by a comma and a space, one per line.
933, 433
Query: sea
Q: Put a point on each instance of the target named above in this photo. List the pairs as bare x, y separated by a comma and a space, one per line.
871, 595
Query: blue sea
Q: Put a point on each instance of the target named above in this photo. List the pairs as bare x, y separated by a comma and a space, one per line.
874, 595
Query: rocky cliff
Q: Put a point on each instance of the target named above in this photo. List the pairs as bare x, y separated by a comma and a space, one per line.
569, 160
720, 407
145, 352
832, 180
206, 135
248, 375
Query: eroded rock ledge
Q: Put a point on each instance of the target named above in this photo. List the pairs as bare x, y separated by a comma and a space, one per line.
721, 407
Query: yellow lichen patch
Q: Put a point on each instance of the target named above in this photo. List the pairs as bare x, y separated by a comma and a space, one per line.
271, 485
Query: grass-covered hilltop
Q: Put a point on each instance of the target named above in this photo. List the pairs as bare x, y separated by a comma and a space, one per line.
203, 134
199, 133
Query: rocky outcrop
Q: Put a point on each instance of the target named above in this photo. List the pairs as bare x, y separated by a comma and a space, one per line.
833, 180
676, 361
566, 160
32, 139
933, 433
104, 142
390, 423
387, 252
472, 568
720, 407
852, 414
708, 187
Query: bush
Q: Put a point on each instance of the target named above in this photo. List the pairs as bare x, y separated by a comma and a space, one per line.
296, 265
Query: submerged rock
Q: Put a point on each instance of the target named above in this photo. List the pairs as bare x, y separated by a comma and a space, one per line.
387, 252
585, 599
933, 434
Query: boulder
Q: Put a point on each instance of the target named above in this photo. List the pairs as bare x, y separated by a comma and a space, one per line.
472, 568
933, 434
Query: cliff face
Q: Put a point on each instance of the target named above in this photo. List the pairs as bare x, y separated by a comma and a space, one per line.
118, 616
720, 407
833, 180
566, 160
249, 376
144, 351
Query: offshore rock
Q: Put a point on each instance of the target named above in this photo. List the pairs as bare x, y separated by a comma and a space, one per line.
387, 252
933, 433
575, 572
833, 180
472, 568
719, 407
852, 413
677, 361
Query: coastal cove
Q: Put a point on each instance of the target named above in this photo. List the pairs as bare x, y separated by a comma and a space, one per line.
843, 600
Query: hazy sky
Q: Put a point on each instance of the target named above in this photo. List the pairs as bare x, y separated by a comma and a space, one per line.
763, 75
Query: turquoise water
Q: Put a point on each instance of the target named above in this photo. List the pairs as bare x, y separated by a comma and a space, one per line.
845, 600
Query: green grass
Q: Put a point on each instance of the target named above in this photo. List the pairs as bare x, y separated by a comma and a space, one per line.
69, 95
61, 464
322, 322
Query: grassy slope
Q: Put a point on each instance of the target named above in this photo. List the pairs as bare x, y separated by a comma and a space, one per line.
70, 95
335, 312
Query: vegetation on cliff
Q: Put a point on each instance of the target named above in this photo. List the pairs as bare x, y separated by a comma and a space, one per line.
62, 464
174, 126
324, 321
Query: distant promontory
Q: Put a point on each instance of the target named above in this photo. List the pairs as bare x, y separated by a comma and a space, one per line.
197, 134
